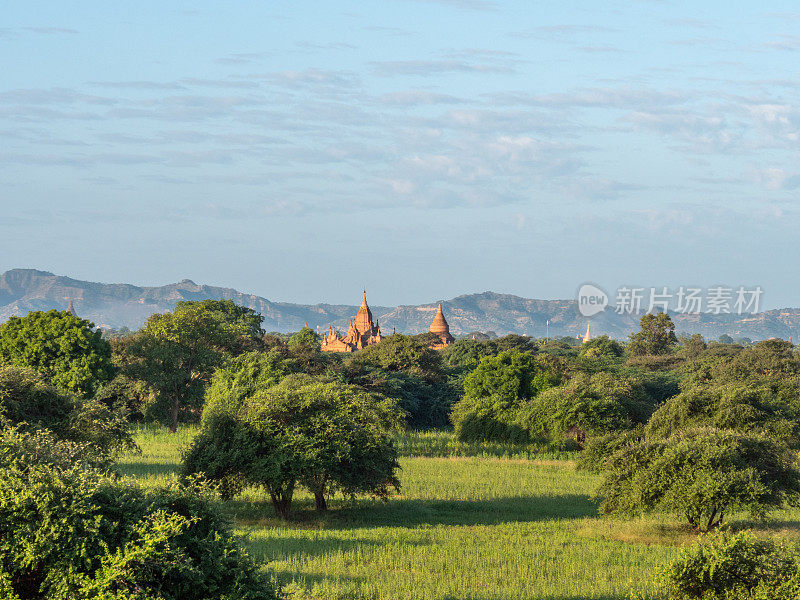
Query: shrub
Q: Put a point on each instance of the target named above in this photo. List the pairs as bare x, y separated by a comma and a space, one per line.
67, 530
600, 448
495, 392
734, 566
240, 378
587, 405
397, 352
28, 401
701, 475
737, 406
601, 346
65, 349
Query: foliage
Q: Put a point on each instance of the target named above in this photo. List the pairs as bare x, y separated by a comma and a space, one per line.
327, 437
305, 337
601, 346
176, 353
26, 397
242, 377
27, 400
587, 405
702, 475
60, 346
69, 531
738, 406
734, 566
495, 392
656, 335
694, 346
402, 353
466, 352
600, 448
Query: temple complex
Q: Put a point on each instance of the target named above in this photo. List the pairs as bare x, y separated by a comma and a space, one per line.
360, 334
440, 327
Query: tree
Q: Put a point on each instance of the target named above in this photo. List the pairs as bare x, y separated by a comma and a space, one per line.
694, 346
327, 437
738, 406
586, 406
734, 566
176, 353
656, 335
494, 393
702, 475
305, 337
403, 353
601, 346
28, 401
65, 349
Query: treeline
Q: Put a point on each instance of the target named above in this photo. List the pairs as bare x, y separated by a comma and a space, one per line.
680, 425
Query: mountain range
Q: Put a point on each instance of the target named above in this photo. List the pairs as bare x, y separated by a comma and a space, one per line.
119, 305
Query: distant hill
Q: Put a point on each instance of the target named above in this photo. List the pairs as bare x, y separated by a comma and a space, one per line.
118, 305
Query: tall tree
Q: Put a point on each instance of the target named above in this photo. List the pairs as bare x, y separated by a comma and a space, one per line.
655, 336
65, 349
176, 353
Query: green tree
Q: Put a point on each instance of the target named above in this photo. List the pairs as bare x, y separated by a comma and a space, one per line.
65, 349
327, 437
738, 406
29, 401
495, 392
656, 335
305, 337
733, 566
694, 346
403, 353
176, 353
586, 406
602, 346
701, 475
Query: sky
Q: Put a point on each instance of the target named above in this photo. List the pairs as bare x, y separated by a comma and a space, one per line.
420, 149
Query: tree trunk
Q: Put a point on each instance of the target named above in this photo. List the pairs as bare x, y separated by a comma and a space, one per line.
319, 500
173, 414
282, 503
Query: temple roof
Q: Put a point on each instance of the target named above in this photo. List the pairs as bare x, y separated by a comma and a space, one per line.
364, 316
439, 324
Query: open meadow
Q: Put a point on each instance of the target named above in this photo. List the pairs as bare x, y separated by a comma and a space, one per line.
462, 527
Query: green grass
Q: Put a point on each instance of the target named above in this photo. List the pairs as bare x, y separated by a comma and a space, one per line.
477, 527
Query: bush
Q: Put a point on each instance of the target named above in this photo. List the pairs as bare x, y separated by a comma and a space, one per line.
737, 406
600, 448
734, 566
495, 392
701, 475
67, 530
601, 346
410, 354
28, 401
585, 406
327, 437
65, 349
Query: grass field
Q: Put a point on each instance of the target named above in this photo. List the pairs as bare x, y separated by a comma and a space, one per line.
474, 527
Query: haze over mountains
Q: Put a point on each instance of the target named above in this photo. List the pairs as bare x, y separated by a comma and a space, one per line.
118, 305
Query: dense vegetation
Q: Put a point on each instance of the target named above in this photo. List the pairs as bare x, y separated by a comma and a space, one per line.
695, 433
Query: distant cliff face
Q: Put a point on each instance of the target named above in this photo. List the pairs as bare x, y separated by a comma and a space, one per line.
117, 305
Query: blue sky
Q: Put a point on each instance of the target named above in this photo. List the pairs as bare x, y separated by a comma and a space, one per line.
420, 149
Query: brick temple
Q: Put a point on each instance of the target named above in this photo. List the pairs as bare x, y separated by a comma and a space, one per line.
362, 333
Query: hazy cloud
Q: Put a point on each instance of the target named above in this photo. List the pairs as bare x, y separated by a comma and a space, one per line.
429, 68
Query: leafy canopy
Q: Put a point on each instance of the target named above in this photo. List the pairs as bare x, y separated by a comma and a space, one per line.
60, 346
326, 436
656, 335
701, 475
